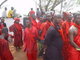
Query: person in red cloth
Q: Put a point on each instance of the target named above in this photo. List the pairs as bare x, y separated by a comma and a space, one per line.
42, 32
44, 26
32, 17
32, 12
74, 41
30, 41
40, 22
65, 27
5, 53
16, 28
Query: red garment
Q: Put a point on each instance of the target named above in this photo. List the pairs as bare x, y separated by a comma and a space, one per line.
16, 19
65, 26
0, 29
30, 43
32, 55
38, 25
73, 54
31, 12
17, 30
0, 57
5, 53
34, 23
77, 37
44, 27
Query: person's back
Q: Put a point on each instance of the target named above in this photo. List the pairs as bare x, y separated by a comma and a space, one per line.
5, 53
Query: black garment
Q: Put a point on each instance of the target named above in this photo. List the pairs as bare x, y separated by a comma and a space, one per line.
24, 22
54, 44
5, 32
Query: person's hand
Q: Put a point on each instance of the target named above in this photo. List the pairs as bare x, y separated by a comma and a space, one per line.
78, 49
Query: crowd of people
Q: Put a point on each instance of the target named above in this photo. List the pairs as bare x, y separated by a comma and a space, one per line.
52, 36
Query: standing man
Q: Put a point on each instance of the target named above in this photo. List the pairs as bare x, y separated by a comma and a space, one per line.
65, 27
4, 13
38, 14
32, 12
74, 41
30, 41
53, 42
16, 28
10, 13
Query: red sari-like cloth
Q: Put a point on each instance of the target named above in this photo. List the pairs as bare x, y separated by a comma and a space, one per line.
5, 53
34, 23
30, 43
17, 30
44, 27
65, 27
73, 54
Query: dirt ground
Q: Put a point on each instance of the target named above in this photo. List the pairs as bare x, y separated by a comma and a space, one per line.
19, 55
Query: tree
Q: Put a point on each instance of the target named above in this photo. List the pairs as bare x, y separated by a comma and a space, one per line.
48, 4
3, 3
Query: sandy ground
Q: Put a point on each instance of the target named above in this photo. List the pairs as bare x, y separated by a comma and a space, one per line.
19, 55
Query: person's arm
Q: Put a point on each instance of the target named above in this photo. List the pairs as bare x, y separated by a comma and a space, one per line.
71, 38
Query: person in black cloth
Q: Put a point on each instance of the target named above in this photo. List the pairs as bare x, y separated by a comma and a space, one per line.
53, 42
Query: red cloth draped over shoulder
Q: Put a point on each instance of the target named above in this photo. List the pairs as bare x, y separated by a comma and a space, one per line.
44, 27
65, 26
30, 36
17, 30
77, 37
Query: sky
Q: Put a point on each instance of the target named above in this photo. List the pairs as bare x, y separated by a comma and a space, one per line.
22, 6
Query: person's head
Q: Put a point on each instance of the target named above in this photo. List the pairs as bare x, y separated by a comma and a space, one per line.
31, 8
48, 17
57, 19
5, 8
12, 8
28, 23
37, 8
77, 19
41, 18
67, 16
2, 20
17, 20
